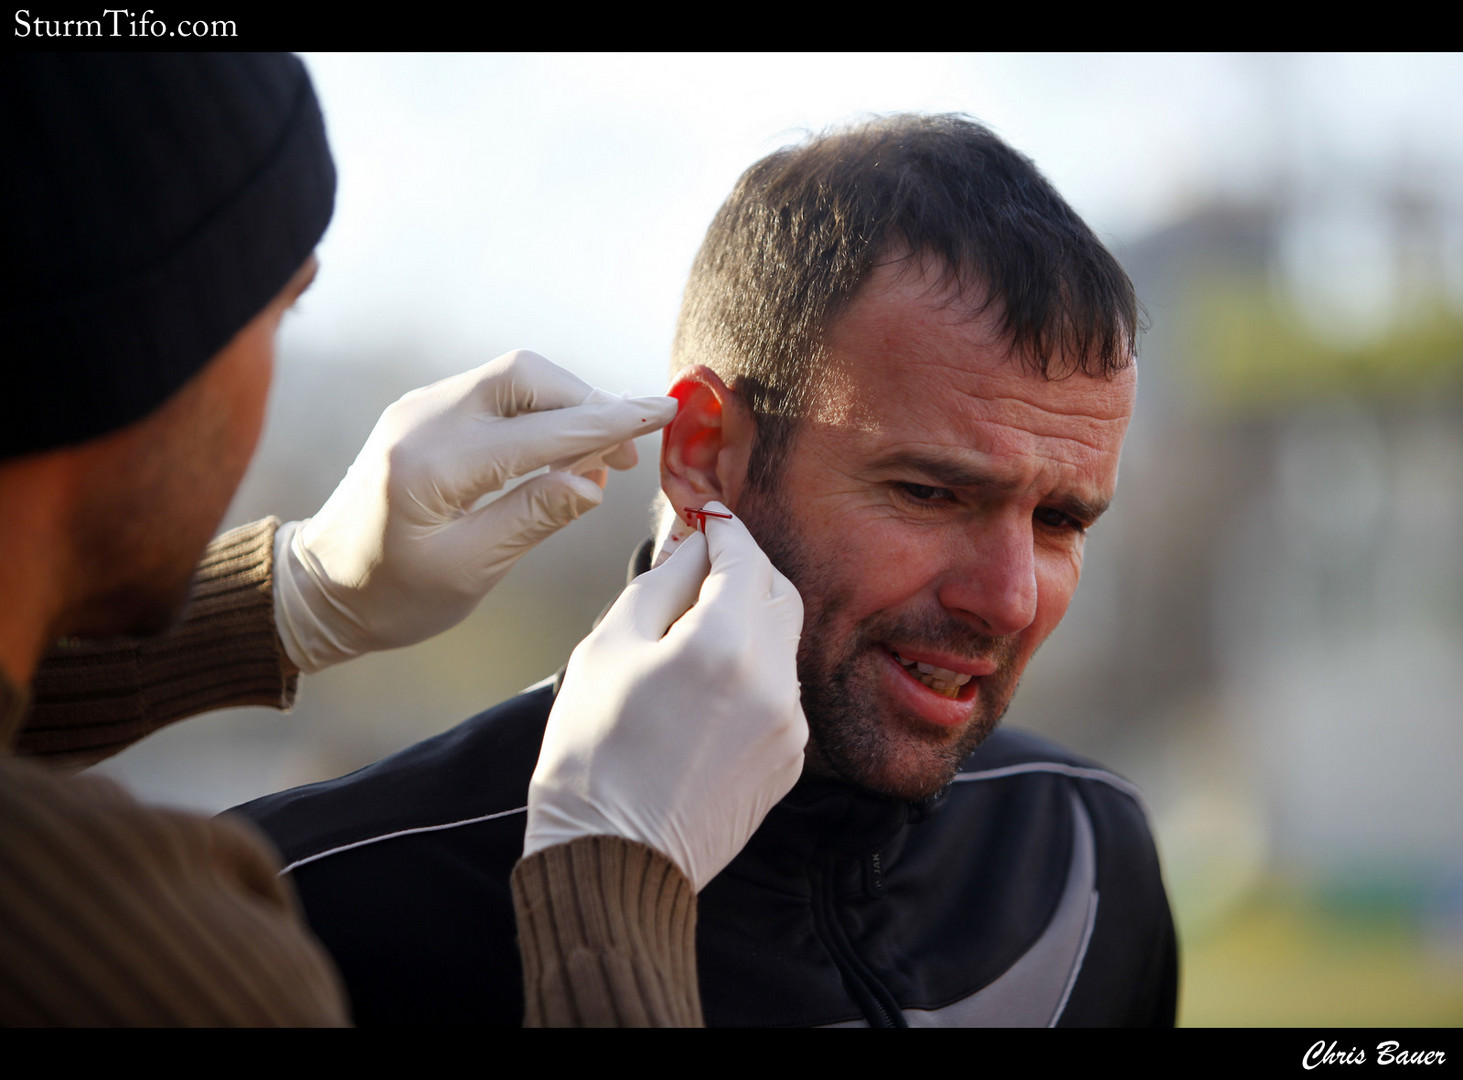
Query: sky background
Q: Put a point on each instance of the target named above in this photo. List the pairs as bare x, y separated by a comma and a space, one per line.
555, 202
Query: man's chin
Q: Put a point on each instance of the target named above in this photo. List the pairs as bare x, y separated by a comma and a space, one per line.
891, 786
898, 766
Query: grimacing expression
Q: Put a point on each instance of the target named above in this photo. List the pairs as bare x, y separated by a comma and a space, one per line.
932, 514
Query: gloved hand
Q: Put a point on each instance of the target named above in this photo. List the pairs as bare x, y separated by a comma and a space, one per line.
400, 551
679, 722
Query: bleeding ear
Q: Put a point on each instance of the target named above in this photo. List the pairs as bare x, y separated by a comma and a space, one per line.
704, 450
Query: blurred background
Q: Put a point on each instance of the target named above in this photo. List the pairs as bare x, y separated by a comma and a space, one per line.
1268, 633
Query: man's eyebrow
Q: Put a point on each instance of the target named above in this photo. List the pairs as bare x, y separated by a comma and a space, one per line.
1078, 508
946, 472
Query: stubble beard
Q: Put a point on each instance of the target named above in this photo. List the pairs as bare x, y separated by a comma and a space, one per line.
852, 737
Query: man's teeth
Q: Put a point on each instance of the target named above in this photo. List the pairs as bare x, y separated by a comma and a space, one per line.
940, 679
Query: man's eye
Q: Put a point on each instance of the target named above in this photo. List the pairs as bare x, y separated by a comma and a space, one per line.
923, 493
1055, 519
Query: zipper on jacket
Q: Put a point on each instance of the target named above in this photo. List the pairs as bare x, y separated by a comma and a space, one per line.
871, 996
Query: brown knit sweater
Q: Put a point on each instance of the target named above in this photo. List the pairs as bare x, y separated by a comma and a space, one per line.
116, 913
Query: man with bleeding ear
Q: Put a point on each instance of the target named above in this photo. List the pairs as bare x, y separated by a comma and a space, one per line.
907, 367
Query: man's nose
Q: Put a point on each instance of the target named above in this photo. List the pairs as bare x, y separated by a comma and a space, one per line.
993, 579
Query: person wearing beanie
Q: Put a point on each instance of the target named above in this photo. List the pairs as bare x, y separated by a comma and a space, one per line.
171, 205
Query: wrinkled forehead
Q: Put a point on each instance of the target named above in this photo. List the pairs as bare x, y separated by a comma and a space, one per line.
917, 342
987, 415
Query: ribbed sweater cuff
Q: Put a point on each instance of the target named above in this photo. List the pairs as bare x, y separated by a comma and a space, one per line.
92, 699
607, 931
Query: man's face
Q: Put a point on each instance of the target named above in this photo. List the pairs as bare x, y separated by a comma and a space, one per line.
163, 483
932, 514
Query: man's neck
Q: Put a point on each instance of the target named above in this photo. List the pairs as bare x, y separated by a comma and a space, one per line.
35, 579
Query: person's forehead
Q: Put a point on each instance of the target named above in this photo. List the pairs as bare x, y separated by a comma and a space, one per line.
910, 355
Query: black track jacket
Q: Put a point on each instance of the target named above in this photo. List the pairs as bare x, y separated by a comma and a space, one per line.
1028, 894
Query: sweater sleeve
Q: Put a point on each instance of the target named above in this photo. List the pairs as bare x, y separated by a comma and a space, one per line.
115, 913
93, 699
607, 932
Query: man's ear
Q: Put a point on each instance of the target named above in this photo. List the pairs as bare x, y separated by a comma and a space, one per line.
705, 449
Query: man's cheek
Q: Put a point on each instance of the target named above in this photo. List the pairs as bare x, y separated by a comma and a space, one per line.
1053, 597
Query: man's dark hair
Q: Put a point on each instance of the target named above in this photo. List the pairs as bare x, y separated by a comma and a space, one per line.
804, 226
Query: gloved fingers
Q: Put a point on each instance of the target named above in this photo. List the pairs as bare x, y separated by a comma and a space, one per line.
538, 507
595, 460
653, 602
741, 574
623, 456
785, 599
603, 429
734, 552
516, 382
522, 381
479, 458
599, 477
745, 604
781, 588
792, 763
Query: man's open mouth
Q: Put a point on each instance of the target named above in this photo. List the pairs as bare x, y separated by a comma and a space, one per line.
941, 680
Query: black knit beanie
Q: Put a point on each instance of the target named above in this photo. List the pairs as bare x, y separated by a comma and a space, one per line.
150, 207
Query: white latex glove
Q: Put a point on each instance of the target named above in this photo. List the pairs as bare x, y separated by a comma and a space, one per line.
400, 552
679, 728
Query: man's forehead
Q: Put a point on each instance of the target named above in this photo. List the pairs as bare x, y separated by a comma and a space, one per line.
1054, 337
913, 339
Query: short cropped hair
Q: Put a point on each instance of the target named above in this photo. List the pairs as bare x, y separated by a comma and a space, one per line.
803, 227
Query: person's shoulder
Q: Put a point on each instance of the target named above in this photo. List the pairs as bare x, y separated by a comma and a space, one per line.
1045, 796
1011, 752
1012, 746
479, 768
1011, 757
